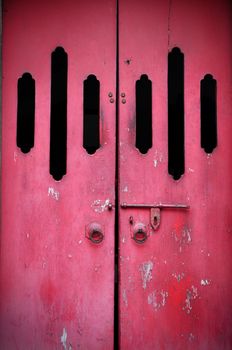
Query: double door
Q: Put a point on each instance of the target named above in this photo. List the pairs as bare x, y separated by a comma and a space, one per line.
116, 175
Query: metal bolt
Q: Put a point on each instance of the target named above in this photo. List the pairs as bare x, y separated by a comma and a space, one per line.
111, 100
123, 94
123, 100
110, 94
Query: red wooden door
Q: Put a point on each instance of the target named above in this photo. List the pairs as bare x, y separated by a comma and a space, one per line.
175, 288
57, 287
57, 281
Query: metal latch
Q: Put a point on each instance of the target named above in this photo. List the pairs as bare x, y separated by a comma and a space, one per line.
155, 210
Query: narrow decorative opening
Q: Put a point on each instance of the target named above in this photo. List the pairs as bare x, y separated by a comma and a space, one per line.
176, 113
143, 114
208, 113
58, 127
91, 119
26, 113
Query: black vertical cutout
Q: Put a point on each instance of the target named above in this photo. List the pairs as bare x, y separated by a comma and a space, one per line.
143, 114
91, 133
58, 127
26, 113
176, 113
208, 113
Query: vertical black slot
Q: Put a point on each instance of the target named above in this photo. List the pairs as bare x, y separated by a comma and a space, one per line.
208, 113
58, 127
91, 137
143, 114
26, 113
176, 113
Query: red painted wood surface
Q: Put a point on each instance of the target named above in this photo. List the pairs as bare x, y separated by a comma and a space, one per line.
56, 286
175, 289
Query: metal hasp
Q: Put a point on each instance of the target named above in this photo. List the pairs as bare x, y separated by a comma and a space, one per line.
155, 210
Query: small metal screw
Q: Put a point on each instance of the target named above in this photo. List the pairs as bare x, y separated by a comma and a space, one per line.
110, 206
110, 94
111, 100
123, 94
123, 100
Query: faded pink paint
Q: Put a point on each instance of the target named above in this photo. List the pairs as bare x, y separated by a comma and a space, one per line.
49, 279
175, 311
57, 288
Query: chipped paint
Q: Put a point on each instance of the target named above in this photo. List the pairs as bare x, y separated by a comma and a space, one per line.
191, 337
63, 339
191, 170
125, 189
97, 267
124, 297
205, 282
53, 193
178, 276
183, 238
191, 294
146, 272
15, 156
157, 299
157, 159
100, 206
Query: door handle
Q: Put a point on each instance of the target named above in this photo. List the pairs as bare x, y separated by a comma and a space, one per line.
155, 210
94, 232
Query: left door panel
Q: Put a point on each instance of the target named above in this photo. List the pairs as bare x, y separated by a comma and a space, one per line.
57, 286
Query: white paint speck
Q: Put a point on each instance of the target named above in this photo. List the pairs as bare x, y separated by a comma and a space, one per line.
53, 193
125, 189
157, 299
191, 294
178, 276
183, 238
191, 337
28, 235
124, 297
146, 272
100, 206
63, 339
158, 158
191, 170
15, 156
80, 241
205, 282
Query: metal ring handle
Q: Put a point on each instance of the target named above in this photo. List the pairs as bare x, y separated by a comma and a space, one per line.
96, 236
140, 236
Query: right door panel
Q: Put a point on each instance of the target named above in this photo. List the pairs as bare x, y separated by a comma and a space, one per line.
175, 285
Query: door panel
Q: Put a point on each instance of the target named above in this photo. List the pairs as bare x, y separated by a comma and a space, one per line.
175, 289
57, 287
